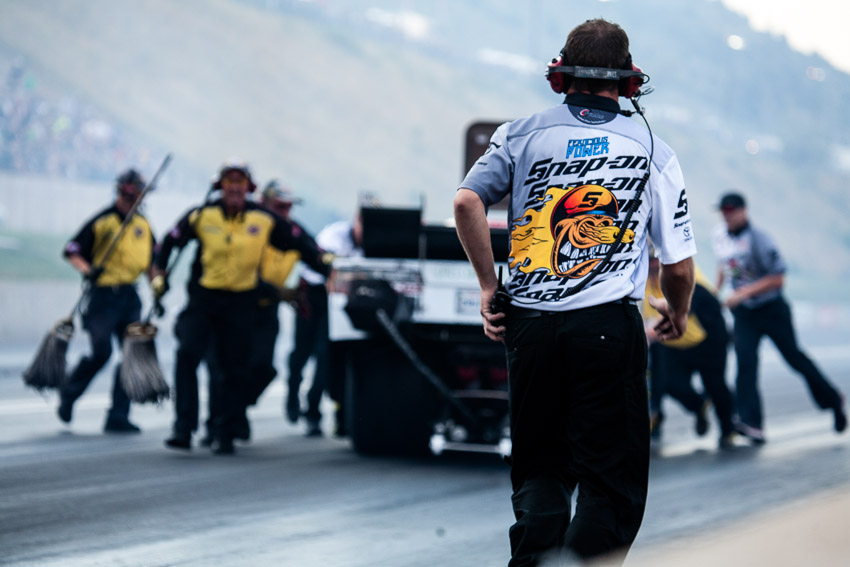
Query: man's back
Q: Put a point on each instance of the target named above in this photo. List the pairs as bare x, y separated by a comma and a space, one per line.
572, 172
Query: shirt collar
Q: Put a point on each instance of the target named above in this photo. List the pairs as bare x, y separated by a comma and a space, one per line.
740, 230
592, 101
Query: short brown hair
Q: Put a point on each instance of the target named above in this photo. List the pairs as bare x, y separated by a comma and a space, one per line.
597, 43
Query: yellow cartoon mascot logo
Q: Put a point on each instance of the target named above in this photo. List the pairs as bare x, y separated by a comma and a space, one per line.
568, 232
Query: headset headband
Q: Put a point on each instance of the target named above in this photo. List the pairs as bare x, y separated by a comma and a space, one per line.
600, 73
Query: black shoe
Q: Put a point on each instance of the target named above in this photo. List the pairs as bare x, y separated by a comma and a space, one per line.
64, 411
701, 425
293, 409
242, 431
179, 440
206, 440
313, 429
120, 426
223, 446
728, 442
840, 417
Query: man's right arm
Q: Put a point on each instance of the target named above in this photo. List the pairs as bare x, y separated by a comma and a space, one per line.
474, 234
677, 285
177, 237
78, 251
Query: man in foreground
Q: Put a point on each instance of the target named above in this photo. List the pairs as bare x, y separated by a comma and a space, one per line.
575, 342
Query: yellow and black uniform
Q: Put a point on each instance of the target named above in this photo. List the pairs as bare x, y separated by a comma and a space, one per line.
702, 348
222, 302
132, 254
275, 267
112, 302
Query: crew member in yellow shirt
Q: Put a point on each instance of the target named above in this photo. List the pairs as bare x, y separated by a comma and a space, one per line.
112, 302
703, 349
232, 235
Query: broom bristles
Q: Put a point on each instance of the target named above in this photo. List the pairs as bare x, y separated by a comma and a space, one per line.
141, 376
47, 369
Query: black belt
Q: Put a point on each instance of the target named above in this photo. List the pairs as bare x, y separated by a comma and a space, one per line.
514, 312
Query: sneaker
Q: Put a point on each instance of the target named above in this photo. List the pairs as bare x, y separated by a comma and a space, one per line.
223, 446
840, 417
64, 411
120, 426
754, 434
313, 429
701, 424
179, 440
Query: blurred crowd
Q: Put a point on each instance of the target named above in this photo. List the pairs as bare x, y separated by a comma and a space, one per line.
56, 135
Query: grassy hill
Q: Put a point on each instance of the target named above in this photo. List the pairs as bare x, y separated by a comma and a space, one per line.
331, 99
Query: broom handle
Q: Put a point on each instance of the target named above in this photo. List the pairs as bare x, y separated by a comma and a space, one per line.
132, 210
122, 229
156, 307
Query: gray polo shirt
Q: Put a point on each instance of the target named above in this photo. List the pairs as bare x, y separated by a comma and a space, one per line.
748, 256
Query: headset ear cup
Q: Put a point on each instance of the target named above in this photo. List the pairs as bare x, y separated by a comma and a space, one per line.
630, 86
560, 82
557, 80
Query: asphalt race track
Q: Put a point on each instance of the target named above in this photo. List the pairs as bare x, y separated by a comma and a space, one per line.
72, 496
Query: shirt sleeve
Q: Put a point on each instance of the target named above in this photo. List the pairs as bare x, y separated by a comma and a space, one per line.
179, 235
491, 176
287, 235
767, 254
670, 226
82, 244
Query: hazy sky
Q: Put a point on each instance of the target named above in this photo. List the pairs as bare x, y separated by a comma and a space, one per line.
810, 25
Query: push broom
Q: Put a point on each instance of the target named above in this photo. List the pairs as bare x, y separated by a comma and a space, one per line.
47, 370
141, 376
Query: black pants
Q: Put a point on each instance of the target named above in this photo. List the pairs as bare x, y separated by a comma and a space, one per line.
262, 371
774, 320
109, 311
311, 339
579, 418
673, 369
266, 328
220, 321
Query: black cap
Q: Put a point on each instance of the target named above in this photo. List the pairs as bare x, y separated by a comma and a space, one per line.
131, 177
235, 164
732, 201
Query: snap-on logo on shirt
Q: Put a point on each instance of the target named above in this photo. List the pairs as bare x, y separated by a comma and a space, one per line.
253, 229
591, 115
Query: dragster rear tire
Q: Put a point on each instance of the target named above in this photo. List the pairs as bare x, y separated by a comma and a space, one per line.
390, 407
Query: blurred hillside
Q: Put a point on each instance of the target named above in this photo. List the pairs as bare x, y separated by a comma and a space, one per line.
340, 97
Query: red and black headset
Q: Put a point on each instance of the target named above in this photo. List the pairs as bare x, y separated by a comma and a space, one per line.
630, 78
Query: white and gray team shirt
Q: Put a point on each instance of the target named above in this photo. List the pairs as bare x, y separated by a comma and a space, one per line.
572, 172
746, 256
337, 238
